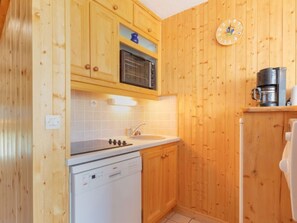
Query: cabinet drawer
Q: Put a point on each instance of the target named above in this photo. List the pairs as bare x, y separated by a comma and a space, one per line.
123, 8
146, 22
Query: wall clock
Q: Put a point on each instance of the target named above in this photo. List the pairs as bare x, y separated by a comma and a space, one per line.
229, 32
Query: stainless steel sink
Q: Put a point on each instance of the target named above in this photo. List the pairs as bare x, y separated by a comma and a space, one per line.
148, 137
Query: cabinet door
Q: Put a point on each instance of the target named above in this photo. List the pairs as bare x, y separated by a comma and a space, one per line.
265, 193
123, 8
169, 177
146, 22
80, 45
104, 44
152, 185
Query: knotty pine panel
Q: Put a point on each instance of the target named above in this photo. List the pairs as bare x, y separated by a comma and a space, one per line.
16, 182
51, 95
34, 82
213, 83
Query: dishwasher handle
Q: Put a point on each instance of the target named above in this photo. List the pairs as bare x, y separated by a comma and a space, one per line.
114, 174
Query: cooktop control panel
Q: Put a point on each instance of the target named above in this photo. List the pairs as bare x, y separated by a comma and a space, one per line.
118, 142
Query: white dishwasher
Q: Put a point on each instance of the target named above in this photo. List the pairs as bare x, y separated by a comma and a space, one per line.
107, 190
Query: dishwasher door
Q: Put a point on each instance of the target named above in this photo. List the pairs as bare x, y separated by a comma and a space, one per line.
108, 194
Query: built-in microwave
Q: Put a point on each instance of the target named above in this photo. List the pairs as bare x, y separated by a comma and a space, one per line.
137, 70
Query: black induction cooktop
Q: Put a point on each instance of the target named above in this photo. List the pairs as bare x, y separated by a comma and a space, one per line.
90, 146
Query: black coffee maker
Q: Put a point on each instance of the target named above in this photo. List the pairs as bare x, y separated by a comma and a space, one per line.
271, 87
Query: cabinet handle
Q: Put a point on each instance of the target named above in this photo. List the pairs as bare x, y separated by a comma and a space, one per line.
166, 155
87, 66
149, 30
163, 156
115, 7
96, 69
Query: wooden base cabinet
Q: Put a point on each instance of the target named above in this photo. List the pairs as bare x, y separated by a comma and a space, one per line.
265, 192
159, 181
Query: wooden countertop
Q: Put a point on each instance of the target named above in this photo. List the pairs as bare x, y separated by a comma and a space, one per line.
270, 109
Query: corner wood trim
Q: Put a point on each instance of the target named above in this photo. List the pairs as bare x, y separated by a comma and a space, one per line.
4, 4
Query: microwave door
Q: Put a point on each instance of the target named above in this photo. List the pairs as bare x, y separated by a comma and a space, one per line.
137, 71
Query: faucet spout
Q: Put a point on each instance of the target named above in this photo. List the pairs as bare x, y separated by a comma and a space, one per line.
135, 131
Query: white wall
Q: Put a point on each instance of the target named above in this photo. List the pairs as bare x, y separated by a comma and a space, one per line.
92, 122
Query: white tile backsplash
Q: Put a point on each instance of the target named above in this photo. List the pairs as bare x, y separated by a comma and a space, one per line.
93, 118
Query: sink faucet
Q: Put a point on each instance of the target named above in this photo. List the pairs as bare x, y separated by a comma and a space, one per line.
135, 131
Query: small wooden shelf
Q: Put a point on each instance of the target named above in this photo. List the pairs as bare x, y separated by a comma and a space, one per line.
140, 48
91, 85
270, 109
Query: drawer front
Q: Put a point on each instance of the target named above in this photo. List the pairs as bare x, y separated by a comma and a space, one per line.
144, 21
123, 8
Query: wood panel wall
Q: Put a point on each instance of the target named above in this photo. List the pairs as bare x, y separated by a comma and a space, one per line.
34, 82
213, 83
51, 95
16, 115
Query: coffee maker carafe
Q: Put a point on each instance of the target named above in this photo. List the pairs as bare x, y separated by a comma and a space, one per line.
271, 87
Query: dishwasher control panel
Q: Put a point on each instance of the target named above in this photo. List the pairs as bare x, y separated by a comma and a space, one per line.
97, 177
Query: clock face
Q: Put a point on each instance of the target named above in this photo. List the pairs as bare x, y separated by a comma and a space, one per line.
229, 32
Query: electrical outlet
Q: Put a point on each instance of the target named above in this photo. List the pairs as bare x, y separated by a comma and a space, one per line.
53, 122
93, 103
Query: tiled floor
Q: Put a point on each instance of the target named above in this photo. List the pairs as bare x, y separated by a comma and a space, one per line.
178, 218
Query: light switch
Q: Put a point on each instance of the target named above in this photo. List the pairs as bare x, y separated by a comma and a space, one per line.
52, 121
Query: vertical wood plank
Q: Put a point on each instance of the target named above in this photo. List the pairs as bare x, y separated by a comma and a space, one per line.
166, 41
230, 122
204, 90
276, 33
220, 120
210, 107
199, 184
190, 78
180, 69
251, 56
174, 80
289, 43
263, 34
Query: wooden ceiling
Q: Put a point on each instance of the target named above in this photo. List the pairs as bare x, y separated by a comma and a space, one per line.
3, 11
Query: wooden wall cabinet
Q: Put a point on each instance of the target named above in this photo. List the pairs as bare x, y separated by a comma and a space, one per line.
104, 44
123, 8
159, 181
265, 192
146, 22
80, 38
95, 45
94, 41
